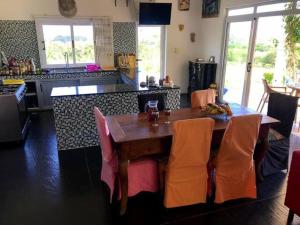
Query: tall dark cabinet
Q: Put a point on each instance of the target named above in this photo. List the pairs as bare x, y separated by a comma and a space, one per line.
201, 75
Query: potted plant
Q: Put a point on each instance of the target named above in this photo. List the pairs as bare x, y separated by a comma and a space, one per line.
268, 76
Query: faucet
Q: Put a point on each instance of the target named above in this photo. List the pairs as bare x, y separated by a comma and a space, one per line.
66, 55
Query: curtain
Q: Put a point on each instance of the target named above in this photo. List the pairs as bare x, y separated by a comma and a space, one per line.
103, 42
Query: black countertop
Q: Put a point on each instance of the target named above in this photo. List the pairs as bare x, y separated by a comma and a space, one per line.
102, 89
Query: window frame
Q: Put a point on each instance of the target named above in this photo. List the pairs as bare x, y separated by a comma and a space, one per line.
256, 14
40, 21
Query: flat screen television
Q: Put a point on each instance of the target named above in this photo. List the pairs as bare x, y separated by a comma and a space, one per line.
155, 13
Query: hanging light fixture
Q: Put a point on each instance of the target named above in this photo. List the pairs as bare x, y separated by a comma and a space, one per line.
67, 8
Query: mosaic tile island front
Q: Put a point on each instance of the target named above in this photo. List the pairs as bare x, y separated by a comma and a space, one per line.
73, 109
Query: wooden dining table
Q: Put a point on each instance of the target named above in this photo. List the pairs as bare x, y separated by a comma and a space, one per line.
134, 137
295, 89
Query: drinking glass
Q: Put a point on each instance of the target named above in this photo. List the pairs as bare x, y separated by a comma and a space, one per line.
155, 116
167, 113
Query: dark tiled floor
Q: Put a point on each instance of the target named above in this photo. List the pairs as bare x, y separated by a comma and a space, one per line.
38, 186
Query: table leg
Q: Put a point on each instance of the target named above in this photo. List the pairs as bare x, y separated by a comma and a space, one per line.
260, 151
123, 173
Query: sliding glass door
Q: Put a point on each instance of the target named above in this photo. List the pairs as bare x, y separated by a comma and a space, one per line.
269, 57
255, 49
237, 60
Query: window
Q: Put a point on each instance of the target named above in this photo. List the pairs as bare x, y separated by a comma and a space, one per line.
62, 41
271, 7
151, 51
265, 9
238, 12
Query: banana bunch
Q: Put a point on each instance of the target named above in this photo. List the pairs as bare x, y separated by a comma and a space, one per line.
214, 109
227, 109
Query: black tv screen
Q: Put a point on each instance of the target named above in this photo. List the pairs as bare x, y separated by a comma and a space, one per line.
155, 13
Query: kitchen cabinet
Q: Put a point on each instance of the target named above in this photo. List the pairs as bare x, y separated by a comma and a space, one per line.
45, 88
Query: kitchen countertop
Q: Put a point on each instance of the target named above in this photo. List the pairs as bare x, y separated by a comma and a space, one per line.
61, 75
102, 89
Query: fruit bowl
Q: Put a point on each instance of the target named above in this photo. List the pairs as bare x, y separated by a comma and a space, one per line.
222, 116
215, 111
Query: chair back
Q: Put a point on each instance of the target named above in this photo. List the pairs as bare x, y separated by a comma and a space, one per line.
104, 135
202, 97
186, 173
144, 98
283, 107
267, 88
235, 173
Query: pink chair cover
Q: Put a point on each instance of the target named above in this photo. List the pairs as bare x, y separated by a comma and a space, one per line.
109, 156
202, 97
186, 172
142, 174
235, 172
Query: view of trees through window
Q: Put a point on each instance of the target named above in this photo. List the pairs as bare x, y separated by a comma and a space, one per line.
149, 51
276, 56
58, 41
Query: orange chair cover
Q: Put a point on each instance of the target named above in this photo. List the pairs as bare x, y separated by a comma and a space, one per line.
186, 172
203, 97
235, 172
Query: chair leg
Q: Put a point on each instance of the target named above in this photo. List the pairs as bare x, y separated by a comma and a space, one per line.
161, 169
264, 102
262, 97
290, 217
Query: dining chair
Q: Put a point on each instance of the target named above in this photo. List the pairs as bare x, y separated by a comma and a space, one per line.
283, 108
186, 170
203, 97
142, 174
234, 165
267, 91
295, 92
144, 98
292, 193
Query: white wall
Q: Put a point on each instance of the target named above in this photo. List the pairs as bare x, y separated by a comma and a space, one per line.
208, 30
26, 9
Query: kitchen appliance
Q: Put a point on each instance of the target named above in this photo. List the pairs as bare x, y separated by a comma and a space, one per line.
14, 118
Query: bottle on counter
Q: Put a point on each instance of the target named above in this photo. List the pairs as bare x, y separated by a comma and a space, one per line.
147, 80
28, 65
33, 67
23, 67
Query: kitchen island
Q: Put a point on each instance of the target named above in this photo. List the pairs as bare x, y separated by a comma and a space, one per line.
39, 86
73, 109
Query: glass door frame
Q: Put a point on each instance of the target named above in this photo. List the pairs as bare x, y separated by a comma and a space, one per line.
254, 17
163, 47
250, 54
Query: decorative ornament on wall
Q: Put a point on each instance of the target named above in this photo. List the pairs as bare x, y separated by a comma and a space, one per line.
181, 27
193, 37
67, 8
184, 5
210, 8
